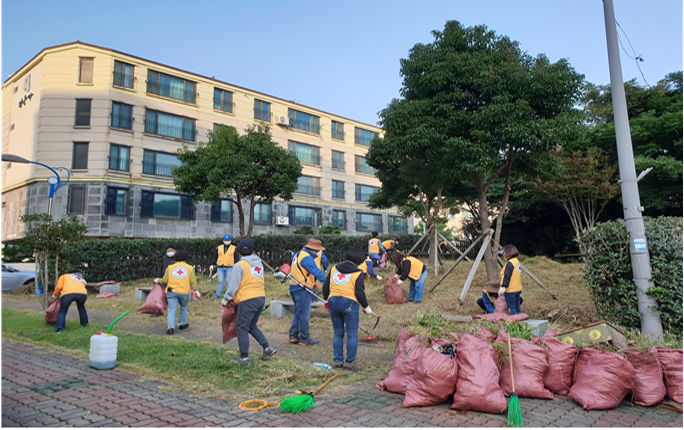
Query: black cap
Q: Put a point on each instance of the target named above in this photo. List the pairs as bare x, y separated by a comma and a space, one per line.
246, 245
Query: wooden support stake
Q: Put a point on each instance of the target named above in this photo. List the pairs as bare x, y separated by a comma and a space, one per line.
419, 240
458, 260
453, 246
476, 263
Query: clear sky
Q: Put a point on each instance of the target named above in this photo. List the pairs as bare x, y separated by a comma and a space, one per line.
340, 56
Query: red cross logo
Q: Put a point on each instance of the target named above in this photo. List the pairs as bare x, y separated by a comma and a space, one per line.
257, 269
180, 272
340, 276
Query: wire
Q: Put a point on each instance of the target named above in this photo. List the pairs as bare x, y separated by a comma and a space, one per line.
637, 58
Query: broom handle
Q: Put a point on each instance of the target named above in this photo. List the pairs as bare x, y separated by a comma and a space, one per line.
326, 383
281, 294
510, 360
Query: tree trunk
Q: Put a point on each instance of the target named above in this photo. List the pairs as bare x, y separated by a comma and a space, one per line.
241, 215
490, 264
504, 206
252, 204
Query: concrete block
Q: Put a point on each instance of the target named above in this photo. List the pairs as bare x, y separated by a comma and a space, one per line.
538, 327
142, 293
112, 288
281, 308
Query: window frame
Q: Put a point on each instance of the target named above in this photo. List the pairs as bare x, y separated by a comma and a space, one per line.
315, 216
359, 162
267, 112
260, 220
115, 212
128, 158
357, 136
217, 210
123, 75
358, 193
184, 201
315, 189
122, 117
70, 209
82, 113
184, 137
375, 227
73, 155
335, 189
334, 132
390, 224
145, 170
315, 152
222, 102
344, 219
152, 83
80, 70
337, 160
314, 124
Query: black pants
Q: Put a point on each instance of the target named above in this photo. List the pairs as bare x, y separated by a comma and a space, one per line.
480, 303
247, 317
65, 302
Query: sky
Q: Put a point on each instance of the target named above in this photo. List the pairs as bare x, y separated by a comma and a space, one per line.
338, 56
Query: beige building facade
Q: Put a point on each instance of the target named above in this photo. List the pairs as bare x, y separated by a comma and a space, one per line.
116, 121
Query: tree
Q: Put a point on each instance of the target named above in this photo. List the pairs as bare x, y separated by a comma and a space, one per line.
233, 167
475, 109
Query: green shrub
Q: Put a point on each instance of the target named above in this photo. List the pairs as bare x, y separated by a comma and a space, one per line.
609, 278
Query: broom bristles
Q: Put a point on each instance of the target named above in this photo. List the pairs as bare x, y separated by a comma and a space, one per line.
514, 414
297, 404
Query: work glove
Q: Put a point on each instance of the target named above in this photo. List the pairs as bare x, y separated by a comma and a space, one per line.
54, 297
198, 294
399, 281
379, 278
224, 302
368, 310
395, 277
211, 268
502, 290
156, 280
326, 306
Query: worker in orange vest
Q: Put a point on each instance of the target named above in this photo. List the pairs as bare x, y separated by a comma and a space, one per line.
71, 288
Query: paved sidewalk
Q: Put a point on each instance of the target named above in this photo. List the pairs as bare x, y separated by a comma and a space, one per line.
46, 389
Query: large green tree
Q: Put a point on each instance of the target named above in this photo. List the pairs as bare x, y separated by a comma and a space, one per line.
475, 110
249, 167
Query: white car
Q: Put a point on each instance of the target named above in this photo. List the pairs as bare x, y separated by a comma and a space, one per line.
13, 277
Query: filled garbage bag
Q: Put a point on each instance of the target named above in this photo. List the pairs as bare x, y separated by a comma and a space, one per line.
52, 312
383, 260
393, 293
671, 359
649, 388
550, 333
477, 386
433, 381
156, 302
601, 380
486, 334
403, 367
229, 321
501, 312
560, 361
529, 365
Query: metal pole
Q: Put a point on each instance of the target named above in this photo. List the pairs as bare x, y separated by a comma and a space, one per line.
634, 222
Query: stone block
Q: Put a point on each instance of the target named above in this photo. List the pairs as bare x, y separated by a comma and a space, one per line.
112, 288
142, 293
538, 327
283, 308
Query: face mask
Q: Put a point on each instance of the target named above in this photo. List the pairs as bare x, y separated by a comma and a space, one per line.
226, 243
170, 254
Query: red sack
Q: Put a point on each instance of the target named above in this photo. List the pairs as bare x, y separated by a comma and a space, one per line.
649, 388
477, 387
501, 313
52, 312
229, 321
156, 302
193, 295
393, 293
403, 367
529, 365
402, 337
486, 334
560, 361
671, 359
550, 333
434, 379
383, 260
602, 379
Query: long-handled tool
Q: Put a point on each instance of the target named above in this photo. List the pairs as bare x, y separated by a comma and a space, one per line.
283, 272
514, 414
303, 403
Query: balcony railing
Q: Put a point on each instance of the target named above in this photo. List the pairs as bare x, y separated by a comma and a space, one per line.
309, 190
123, 80
113, 207
120, 121
337, 164
166, 90
153, 127
305, 126
223, 105
157, 169
338, 194
262, 115
337, 134
119, 163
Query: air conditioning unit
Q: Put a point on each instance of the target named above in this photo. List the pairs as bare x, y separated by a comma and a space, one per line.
283, 120
282, 220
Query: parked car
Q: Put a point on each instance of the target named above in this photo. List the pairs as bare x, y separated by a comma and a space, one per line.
13, 277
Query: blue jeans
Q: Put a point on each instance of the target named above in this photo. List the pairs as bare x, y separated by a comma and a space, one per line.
416, 288
223, 278
247, 317
344, 314
300, 322
174, 299
513, 302
64, 303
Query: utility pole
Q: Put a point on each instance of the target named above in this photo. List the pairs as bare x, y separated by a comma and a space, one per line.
634, 222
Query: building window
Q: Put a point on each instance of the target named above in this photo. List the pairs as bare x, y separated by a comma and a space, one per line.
338, 190
337, 130
76, 199
304, 122
122, 116
360, 166
115, 203
338, 160
171, 87
159, 163
262, 214
304, 216
397, 225
309, 185
222, 211
79, 157
338, 220
363, 137
123, 74
305, 153
163, 124
363, 192
166, 206
82, 112
85, 70
223, 100
119, 157
262, 111
368, 222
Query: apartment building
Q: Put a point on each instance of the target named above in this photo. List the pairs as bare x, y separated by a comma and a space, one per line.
116, 122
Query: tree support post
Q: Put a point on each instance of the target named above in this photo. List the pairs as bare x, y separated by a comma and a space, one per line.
476, 263
419, 241
453, 246
458, 260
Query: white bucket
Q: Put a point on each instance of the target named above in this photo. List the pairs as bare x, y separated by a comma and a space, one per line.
103, 351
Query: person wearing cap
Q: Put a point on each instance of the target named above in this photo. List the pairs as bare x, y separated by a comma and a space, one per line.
413, 269
344, 290
322, 263
169, 259
511, 279
304, 272
246, 288
179, 279
226, 257
376, 249
71, 287
489, 296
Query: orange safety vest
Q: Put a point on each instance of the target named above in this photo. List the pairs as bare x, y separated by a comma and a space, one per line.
364, 268
416, 268
373, 246
388, 244
343, 284
515, 284
226, 259
179, 278
299, 273
252, 283
72, 284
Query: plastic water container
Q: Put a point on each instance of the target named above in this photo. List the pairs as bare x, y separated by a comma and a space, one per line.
103, 351
322, 366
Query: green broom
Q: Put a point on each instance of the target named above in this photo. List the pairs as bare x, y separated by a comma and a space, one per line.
303, 403
514, 414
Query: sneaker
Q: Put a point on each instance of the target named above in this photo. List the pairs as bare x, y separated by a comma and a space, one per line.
294, 340
84, 325
183, 326
308, 342
409, 300
215, 298
416, 302
338, 365
350, 366
241, 360
59, 330
170, 331
268, 352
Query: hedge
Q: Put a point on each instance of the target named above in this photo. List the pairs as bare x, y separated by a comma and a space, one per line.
609, 277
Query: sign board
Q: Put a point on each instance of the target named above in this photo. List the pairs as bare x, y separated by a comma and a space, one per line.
594, 334
640, 245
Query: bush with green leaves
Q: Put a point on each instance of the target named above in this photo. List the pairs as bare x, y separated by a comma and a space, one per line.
609, 277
